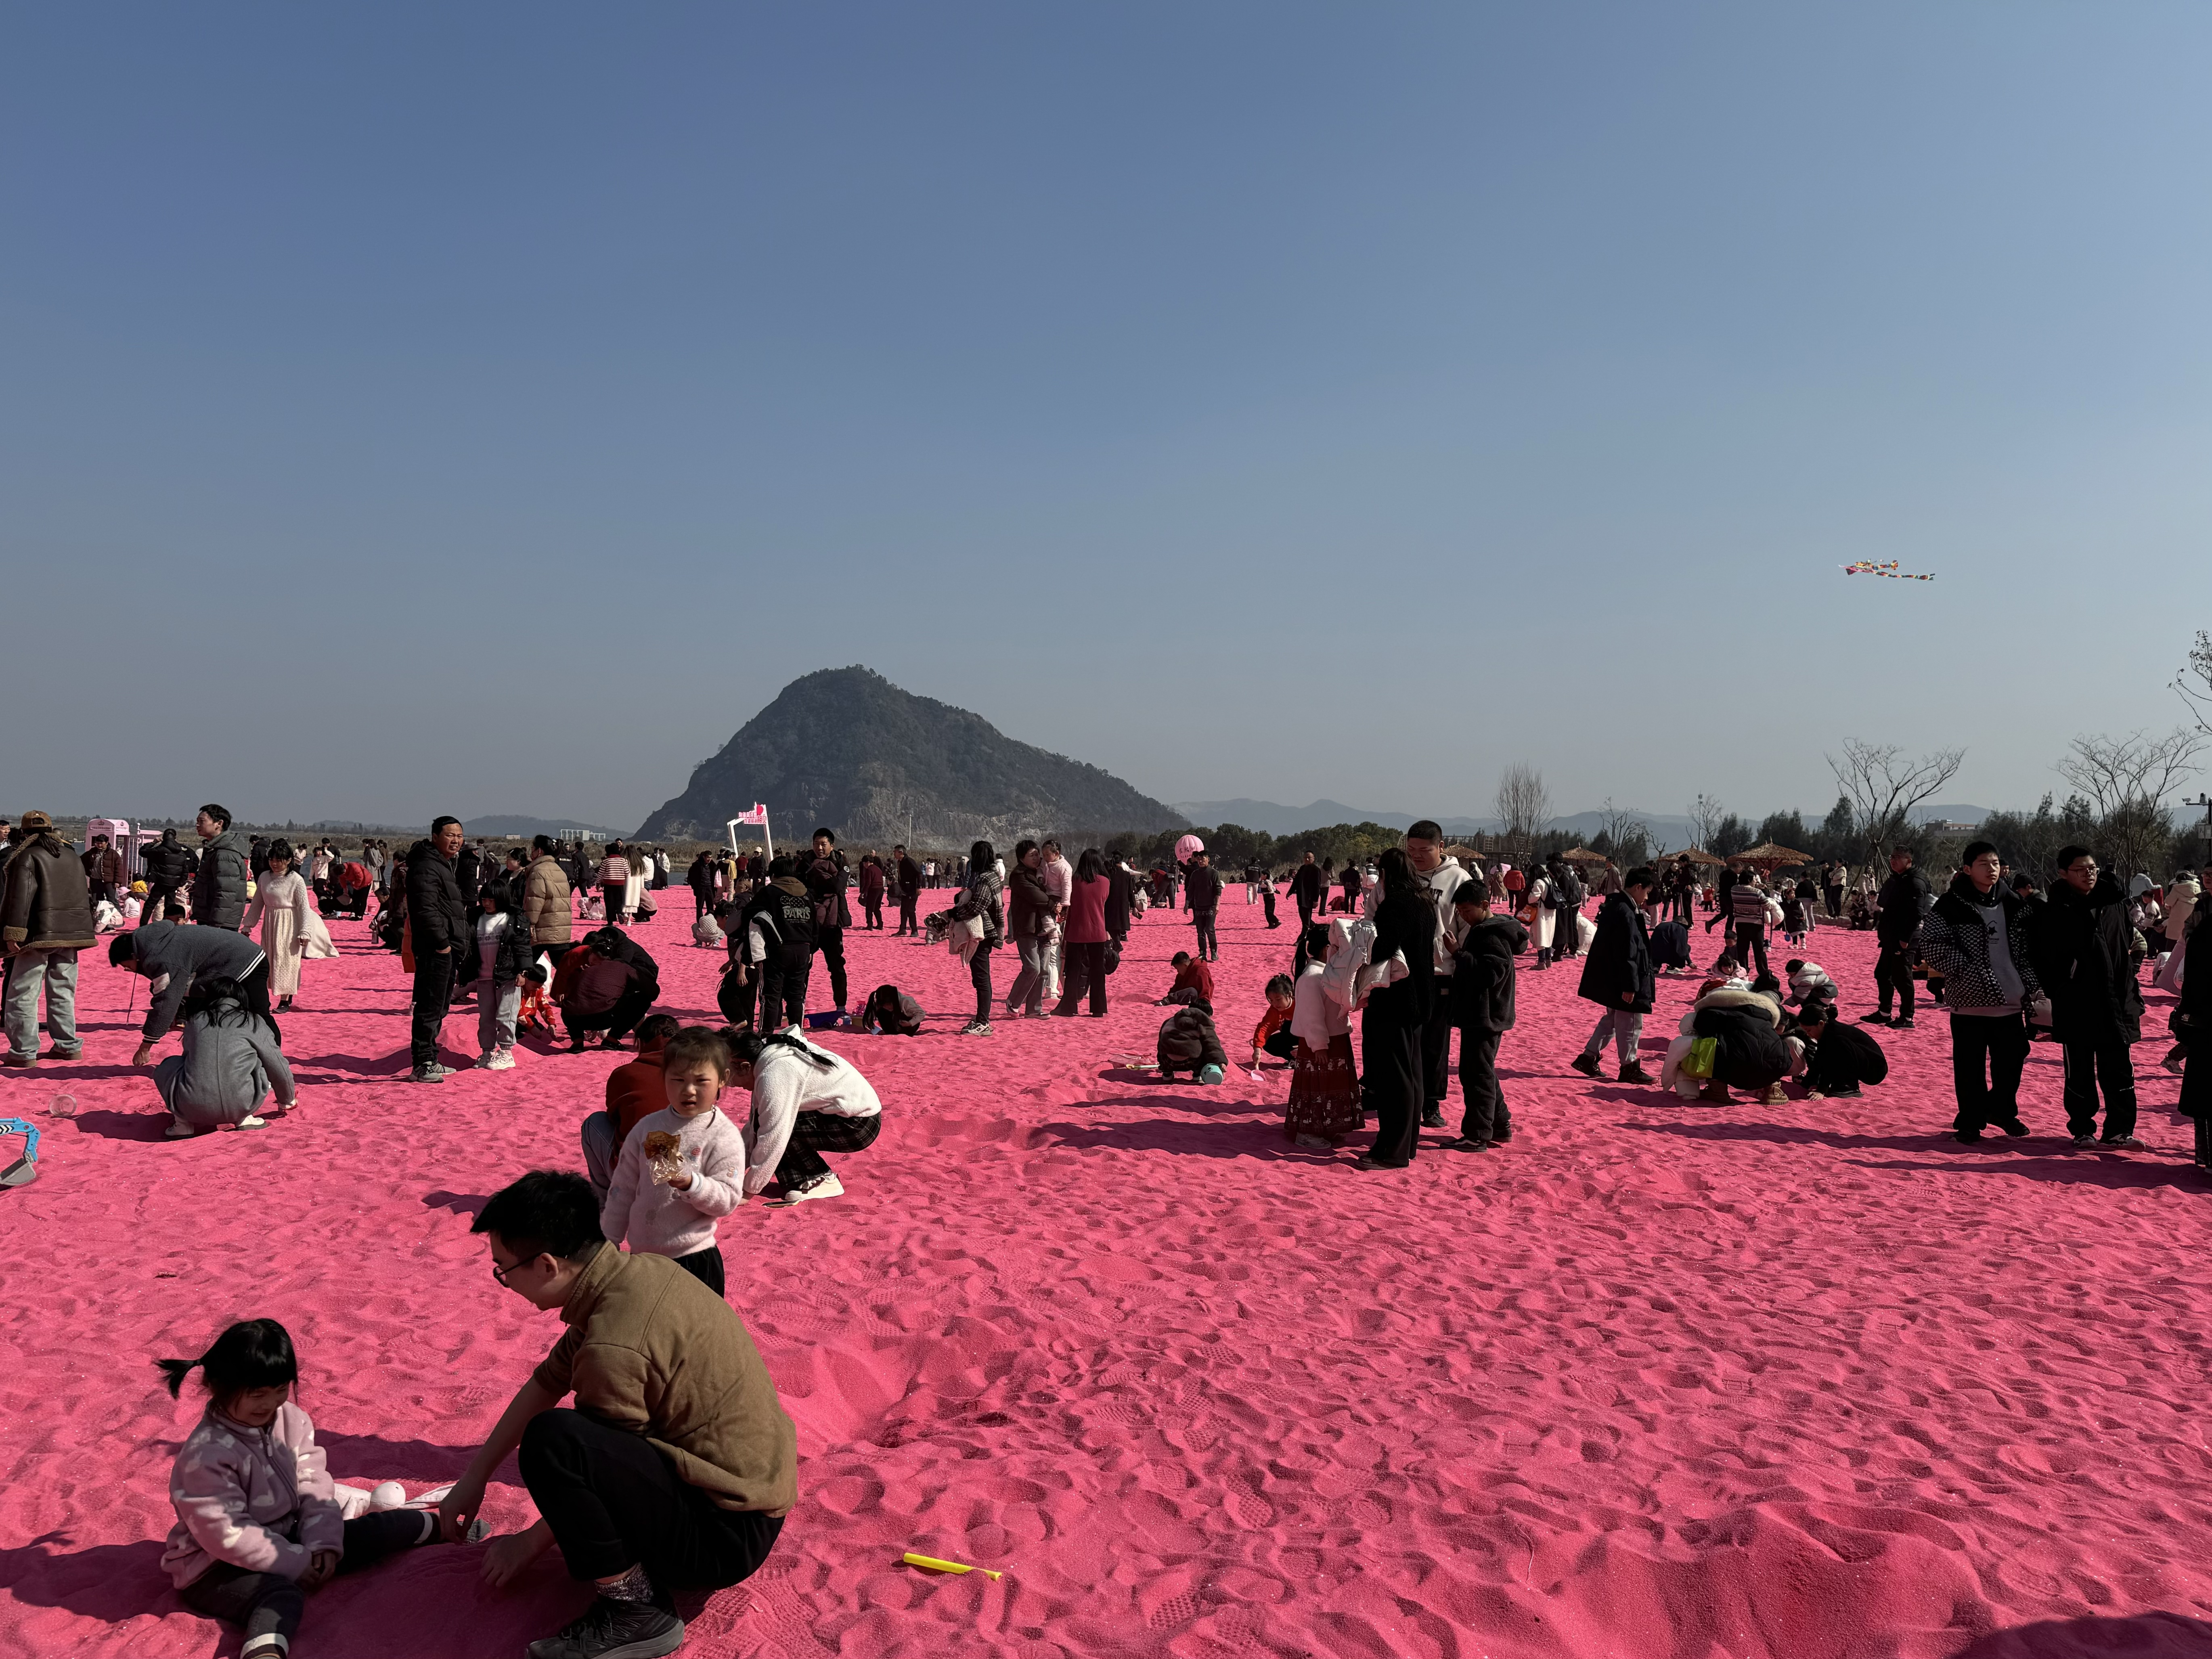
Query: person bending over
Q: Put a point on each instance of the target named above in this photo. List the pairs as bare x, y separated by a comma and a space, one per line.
806, 1101
675, 1467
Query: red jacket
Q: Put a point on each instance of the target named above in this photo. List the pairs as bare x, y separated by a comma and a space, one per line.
635, 1092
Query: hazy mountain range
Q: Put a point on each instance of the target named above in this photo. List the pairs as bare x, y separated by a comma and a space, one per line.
1668, 828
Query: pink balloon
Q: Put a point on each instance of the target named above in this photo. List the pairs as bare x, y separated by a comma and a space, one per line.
1186, 847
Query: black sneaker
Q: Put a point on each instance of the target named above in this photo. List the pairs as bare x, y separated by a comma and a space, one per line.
1905, 1024
1461, 1144
615, 1630
1967, 1137
1586, 1064
1877, 1018
1432, 1119
2123, 1143
2013, 1126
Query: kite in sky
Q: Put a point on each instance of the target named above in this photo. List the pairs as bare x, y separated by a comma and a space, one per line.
1869, 568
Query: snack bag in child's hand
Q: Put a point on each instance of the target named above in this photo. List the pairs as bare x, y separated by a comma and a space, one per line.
664, 1154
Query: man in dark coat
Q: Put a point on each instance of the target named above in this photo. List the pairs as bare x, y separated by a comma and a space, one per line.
1395, 1015
169, 866
46, 919
2080, 940
1121, 899
442, 932
824, 875
906, 888
1620, 978
1906, 899
173, 957
103, 870
219, 888
615, 990
1482, 1006
1306, 888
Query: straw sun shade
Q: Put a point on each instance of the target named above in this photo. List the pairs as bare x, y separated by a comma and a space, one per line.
1769, 856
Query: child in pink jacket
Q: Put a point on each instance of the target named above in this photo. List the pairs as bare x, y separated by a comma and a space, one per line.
259, 1521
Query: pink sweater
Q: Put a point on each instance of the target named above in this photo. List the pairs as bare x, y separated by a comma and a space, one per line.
659, 1220
259, 1498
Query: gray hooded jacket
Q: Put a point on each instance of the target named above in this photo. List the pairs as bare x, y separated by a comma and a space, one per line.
230, 1062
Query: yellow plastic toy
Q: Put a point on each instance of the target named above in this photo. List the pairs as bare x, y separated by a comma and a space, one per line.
936, 1565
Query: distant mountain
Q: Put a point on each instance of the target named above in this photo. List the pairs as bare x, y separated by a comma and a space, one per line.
511, 826
846, 747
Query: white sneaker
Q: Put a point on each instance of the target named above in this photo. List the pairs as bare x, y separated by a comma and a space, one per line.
501, 1060
484, 1061
254, 1123
828, 1187
179, 1130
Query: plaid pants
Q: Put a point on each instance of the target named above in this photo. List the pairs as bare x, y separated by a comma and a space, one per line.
816, 1133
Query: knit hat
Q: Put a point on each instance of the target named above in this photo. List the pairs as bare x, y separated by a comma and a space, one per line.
32, 822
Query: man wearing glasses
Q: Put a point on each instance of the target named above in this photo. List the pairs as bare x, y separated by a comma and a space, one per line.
1976, 937
2082, 942
677, 1466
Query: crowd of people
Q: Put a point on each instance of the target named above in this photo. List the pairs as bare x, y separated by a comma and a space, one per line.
1419, 943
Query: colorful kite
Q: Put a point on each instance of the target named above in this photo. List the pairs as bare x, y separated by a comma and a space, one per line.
1869, 568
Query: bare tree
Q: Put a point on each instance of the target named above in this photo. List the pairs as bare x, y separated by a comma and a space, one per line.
1705, 814
1621, 824
1524, 804
2199, 703
1883, 787
2114, 774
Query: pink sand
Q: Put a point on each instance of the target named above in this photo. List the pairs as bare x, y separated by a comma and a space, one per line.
1658, 1382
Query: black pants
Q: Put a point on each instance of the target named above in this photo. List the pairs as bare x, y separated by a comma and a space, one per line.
1086, 971
611, 897
706, 1266
358, 898
270, 1604
979, 972
1209, 946
1988, 1051
1486, 1118
813, 1133
830, 941
158, 895
736, 995
1893, 971
1267, 903
1390, 1063
1305, 913
1835, 897
616, 1022
783, 993
873, 914
1436, 1051
613, 1502
703, 898
1750, 940
433, 996
907, 923
2090, 1061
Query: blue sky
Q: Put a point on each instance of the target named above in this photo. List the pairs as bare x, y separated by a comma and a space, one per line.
410, 409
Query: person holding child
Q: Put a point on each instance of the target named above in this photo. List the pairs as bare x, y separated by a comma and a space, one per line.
678, 1465
260, 1524
666, 1202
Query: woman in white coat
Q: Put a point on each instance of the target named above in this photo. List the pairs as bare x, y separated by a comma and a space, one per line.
291, 928
1535, 912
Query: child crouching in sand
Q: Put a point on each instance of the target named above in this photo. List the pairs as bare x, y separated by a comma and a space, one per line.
682, 1169
260, 1524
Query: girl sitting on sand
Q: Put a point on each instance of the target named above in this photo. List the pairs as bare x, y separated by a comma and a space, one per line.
260, 1524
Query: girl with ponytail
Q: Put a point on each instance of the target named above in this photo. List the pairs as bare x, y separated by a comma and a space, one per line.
260, 1523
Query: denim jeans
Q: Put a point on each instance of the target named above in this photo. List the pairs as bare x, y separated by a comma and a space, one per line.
27, 971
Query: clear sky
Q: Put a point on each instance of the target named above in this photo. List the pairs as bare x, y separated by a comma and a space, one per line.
410, 408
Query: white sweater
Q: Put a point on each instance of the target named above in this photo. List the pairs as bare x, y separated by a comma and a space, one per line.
1314, 1016
659, 1220
786, 1083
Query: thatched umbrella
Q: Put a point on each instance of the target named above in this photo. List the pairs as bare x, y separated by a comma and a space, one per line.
1583, 855
1695, 854
1769, 857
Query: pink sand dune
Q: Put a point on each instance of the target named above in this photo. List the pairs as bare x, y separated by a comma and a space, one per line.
1658, 1382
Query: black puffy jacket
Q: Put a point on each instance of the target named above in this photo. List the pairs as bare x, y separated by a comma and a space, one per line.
437, 910
1482, 982
1905, 899
1752, 1053
219, 889
1187, 1042
2083, 946
1619, 959
167, 864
